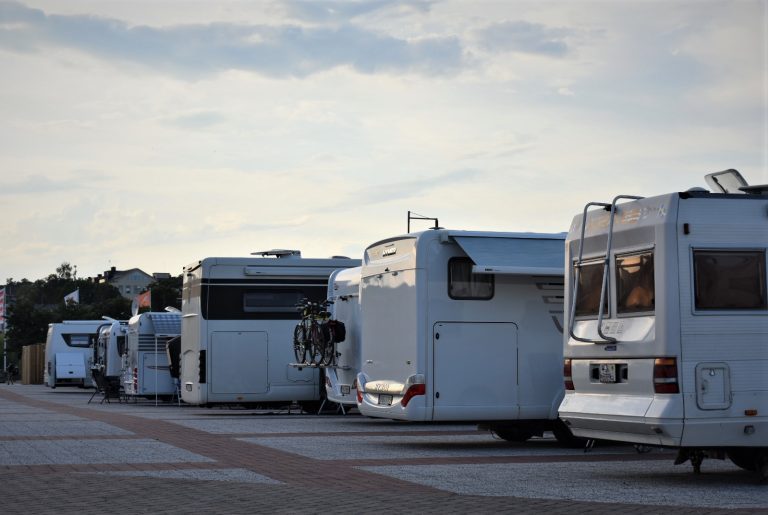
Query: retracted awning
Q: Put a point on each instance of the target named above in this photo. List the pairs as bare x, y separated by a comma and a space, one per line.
516, 256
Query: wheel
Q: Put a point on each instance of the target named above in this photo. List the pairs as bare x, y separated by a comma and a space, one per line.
513, 434
316, 345
565, 437
329, 354
299, 344
745, 458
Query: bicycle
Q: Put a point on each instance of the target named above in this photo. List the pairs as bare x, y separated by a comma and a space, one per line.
310, 336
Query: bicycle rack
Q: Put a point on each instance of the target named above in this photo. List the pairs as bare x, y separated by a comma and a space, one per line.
606, 265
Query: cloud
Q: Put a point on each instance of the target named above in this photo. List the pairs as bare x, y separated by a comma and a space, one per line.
408, 189
196, 120
36, 184
524, 37
326, 11
196, 50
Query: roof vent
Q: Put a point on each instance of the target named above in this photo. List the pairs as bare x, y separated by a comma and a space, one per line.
278, 253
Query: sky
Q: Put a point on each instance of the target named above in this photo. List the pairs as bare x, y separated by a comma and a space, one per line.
152, 134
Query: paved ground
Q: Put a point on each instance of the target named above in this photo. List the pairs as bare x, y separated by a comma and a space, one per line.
61, 455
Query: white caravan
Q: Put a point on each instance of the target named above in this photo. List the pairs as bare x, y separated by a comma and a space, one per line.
668, 321
146, 372
69, 353
110, 347
344, 292
237, 327
464, 326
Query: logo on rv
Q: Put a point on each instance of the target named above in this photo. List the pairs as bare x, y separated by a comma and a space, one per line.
391, 251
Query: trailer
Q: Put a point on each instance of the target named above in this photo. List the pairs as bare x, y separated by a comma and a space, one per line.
667, 322
69, 348
464, 326
340, 377
146, 370
238, 317
110, 347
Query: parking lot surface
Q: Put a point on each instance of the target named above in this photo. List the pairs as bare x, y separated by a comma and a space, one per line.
60, 454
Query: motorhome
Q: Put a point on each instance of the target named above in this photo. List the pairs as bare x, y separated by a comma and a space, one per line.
69, 353
340, 376
146, 371
667, 322
464, 326
110, 347
238, 318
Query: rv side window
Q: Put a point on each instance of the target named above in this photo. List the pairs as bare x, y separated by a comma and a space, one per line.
121, 345
590, 284
464, 285
729, 279
79, 340
635, 291
263, 301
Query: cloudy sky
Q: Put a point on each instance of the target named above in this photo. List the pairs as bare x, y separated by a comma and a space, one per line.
151, 134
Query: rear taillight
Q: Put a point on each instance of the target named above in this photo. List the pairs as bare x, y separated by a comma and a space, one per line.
359, 391
412, 391
665, 376
567, 375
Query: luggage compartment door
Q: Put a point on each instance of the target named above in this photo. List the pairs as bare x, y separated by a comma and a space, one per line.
475, 371
239, 362
713, 386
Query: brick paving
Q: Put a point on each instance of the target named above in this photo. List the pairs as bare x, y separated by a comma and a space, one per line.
169, 467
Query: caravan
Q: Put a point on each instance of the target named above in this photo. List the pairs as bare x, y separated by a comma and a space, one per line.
110, 347
146, 370
238, 320
69, 353
464, 326
667, 322
344, 294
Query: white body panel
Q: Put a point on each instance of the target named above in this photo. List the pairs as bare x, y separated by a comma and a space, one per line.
497, 359
69, 352
111, 339
237, 328
146, 371
721, 355
344, 291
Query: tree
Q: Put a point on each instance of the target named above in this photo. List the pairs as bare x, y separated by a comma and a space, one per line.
166, 293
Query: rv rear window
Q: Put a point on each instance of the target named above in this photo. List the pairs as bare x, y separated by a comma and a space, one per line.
729, 279
590, 284
635, 292
79, 340
464, 285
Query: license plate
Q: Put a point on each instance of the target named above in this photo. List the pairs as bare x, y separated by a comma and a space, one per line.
607, 373
345, 389
385, 400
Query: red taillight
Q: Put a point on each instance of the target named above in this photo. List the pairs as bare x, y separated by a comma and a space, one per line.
412, 391
359, 391
665, 376
567, 375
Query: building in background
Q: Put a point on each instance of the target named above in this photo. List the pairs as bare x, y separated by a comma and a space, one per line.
130, 282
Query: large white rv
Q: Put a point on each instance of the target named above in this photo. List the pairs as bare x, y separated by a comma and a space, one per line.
146, 371
344, 293
668, 322
237, 327
69, 353
460, 325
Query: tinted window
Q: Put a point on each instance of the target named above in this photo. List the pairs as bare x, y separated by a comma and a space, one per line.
262, 301
236, 302
635, 290
729, 279
463, 284
79, 340
590, 283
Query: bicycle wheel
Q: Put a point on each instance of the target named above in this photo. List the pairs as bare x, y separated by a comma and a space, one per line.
299, 344
316, 344
329, 355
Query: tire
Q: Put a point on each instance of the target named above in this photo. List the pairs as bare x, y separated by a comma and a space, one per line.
316, 345
565, 437
745, 458
299, 344
513, 434
329, 354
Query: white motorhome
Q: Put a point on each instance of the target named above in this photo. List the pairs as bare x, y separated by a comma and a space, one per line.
110, 347
667, 317
464, 326
344, 293
146, 371
237, 327
69, 353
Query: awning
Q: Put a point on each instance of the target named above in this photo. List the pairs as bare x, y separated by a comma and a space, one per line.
516, 256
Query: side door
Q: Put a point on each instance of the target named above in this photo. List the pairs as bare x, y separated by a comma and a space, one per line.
239, 362
475, 371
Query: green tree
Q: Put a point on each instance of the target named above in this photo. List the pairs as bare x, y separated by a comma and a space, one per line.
166, 293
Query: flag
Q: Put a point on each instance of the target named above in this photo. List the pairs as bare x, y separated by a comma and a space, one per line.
142, 300
2, 307
73, 298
